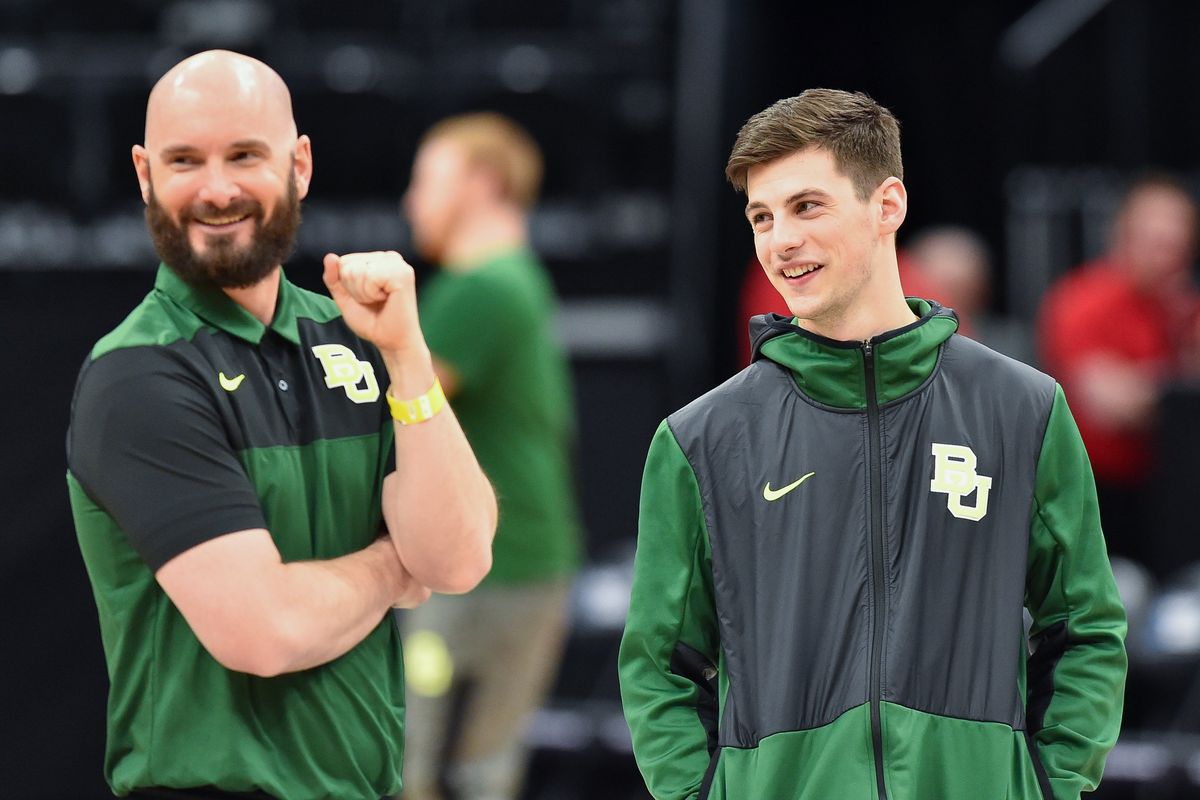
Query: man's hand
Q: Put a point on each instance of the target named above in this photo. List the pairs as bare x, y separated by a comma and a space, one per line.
412, 593
376, 293
404, 590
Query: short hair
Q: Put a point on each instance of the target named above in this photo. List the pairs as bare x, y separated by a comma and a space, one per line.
497, 143
862, 136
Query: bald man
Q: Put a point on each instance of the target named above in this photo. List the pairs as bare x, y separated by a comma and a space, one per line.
258, 473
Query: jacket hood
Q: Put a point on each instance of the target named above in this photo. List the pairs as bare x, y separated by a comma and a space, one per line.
833, 372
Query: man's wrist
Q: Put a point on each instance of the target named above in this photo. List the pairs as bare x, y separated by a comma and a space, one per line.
390, 571
422, 408
410, 370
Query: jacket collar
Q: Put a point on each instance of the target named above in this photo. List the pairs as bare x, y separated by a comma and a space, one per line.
216, 308
833, 372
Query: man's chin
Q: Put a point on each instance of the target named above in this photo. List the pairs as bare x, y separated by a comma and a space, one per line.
207, 245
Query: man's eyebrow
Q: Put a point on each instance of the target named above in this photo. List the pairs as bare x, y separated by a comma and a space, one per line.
809, 192
173, 150
176, 150
251, 144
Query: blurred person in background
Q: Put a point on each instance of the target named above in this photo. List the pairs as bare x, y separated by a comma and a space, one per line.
231, 471
835, 545
1114, 331
955, 266
480, 664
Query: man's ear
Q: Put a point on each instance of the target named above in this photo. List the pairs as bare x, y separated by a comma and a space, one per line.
892, 201
302, 165
141, 165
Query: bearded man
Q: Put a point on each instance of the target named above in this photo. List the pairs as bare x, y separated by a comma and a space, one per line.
250, 497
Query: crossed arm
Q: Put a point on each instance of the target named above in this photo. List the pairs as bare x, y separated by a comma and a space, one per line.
254, 613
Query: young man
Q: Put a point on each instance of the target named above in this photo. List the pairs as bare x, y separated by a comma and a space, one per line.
835, 545
488, 316
244, 524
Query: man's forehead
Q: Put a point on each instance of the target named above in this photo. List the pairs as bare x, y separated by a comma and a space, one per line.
218, 95
810, 168
443, 147
1157, 200
193, 116
442, 154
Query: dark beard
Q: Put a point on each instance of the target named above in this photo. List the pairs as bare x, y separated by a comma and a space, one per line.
224, 264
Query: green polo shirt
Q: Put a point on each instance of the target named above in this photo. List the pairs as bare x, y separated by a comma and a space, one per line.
192, 420
493, 323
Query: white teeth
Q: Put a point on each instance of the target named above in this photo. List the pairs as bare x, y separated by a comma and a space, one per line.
220, 220
796, 272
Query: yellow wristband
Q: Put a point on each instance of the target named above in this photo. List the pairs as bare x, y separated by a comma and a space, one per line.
421, 408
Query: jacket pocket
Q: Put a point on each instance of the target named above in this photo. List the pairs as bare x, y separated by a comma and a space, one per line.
688, 662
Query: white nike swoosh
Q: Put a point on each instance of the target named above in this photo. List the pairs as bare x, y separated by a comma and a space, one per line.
770, 494
230, 384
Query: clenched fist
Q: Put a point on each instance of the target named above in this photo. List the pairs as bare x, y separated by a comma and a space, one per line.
376, 293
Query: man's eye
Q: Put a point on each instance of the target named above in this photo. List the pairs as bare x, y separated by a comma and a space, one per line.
759, 218
805, 206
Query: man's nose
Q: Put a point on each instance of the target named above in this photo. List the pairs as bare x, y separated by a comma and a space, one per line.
787, 235
218, 189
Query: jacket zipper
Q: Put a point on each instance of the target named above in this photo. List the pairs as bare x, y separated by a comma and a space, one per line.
879, 606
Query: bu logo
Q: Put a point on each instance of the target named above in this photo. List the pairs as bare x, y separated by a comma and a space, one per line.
954, 475
344, 370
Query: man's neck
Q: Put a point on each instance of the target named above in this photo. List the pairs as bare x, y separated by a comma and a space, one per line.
259, 300
481, 235
879, 307
865, 322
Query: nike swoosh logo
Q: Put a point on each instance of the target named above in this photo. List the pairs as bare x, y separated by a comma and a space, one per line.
230, 384
770, 494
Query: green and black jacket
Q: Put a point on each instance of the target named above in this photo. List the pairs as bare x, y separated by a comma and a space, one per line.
835, 550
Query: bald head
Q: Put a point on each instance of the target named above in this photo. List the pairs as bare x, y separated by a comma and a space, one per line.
220, 78
222, 169
220, 107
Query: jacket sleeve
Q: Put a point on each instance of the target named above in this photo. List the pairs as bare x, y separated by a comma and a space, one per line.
669, 652
1076, 675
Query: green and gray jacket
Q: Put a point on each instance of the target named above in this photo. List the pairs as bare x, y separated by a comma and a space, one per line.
834, 552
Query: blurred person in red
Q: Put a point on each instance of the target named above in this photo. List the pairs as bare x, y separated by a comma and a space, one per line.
1114, 331
954, 265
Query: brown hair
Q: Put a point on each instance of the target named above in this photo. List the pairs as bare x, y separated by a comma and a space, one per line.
495, 142
862, 136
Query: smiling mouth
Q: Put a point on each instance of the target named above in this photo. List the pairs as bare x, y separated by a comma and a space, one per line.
800, 270
221, 222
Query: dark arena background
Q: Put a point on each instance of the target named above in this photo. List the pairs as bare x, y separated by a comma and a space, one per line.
1020, 118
